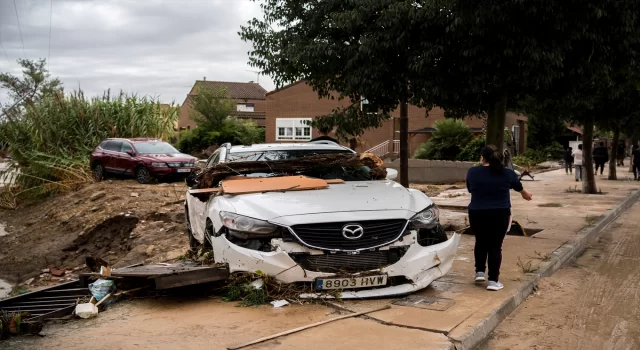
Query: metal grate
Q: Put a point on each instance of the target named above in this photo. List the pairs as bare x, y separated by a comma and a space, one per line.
329, 235
348, 263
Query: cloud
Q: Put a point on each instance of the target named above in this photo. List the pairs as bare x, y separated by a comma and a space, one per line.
151, 47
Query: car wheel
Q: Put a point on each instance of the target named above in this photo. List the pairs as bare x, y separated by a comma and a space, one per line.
143, 175
193, 242
209, 234
98, 171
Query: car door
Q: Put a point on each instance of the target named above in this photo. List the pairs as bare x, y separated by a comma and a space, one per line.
198, 209
111, 153
127, 162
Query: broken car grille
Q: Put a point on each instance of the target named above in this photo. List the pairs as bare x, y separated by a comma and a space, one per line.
347, 263
330, 236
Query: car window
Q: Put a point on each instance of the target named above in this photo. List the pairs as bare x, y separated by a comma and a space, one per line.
103, 145
327, 172
114, 146
126, 147
154, 148
277, 155
213, 159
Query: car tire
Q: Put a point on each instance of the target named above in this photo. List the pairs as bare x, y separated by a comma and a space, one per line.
143, 175
98, 171
194, 245
209, 234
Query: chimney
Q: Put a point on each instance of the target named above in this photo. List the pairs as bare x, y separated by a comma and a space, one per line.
250, 81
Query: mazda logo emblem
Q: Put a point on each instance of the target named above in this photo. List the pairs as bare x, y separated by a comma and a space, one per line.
352, 231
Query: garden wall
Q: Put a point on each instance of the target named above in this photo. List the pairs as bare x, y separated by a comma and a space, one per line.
434, 171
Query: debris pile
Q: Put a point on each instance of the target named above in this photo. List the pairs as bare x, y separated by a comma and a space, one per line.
211, 176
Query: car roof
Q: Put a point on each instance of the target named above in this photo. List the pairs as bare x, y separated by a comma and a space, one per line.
328, 146
134, 140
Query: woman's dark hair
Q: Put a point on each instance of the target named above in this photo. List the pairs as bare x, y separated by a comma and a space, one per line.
492, 156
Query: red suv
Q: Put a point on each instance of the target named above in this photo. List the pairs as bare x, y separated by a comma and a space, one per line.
144, 158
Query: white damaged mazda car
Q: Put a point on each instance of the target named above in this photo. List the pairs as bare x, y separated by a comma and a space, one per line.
366, 238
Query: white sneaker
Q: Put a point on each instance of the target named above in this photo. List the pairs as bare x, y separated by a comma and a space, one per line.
494, 285
480, 277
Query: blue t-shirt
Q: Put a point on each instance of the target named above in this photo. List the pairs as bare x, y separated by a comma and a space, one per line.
489, 190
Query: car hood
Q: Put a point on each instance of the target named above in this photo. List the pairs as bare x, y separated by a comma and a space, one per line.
361, 196
175, 157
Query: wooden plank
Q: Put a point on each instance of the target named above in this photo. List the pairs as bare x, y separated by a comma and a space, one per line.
48, 301
56, 313
39, 308
272, 184
204, 190
75, 296
192, 277
151, 271
334, 181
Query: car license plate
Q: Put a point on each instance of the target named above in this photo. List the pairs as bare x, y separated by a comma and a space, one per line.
184, 170
351, 282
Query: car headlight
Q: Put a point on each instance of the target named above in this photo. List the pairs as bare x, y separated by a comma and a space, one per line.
427, 218
235, 222
159, 165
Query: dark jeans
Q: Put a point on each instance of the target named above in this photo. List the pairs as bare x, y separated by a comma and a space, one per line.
601, 166
489, 226
636, 171
568, 167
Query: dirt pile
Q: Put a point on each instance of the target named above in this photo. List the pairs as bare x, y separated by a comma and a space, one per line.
119, 221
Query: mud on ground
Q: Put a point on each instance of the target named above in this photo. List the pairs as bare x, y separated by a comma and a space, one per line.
120, 221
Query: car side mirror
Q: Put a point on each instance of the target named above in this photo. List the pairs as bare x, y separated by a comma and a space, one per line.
392, 174
131, 153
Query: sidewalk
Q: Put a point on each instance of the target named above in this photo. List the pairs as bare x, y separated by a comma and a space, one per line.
468, 312
475, 311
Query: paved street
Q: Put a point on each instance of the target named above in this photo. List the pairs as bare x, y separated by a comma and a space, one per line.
591, 304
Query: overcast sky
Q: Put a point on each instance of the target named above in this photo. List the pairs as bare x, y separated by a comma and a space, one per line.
149, 47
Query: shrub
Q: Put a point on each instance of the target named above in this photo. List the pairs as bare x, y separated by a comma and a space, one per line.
471, 151
51, 141
199, 141
449, 137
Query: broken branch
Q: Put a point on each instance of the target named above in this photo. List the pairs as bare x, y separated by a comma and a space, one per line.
295, 330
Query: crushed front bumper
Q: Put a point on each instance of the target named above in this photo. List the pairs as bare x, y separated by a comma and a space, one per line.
420, 265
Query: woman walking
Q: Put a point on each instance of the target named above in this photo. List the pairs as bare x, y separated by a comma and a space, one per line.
490, 211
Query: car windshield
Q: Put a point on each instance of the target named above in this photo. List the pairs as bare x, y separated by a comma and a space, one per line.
327, 172
154, 148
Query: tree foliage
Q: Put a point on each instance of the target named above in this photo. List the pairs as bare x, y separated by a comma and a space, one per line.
448, 139
212, 108
34, 84
543, 129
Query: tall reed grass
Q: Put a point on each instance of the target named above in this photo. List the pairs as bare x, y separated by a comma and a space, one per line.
51, 142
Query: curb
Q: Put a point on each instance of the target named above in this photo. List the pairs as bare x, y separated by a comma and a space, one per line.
478, 334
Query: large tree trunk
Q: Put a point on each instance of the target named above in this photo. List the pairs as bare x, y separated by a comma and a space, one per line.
404, 144
495, 123
588, 177
613, 162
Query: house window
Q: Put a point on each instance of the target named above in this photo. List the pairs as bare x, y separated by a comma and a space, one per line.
515, 130
367, 107
244, 107
293, 129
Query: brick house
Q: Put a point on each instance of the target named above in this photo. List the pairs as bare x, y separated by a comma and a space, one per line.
248, 98
288, 109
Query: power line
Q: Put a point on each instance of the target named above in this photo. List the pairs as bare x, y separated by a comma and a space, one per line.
19, 28
50, 17
3, 50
